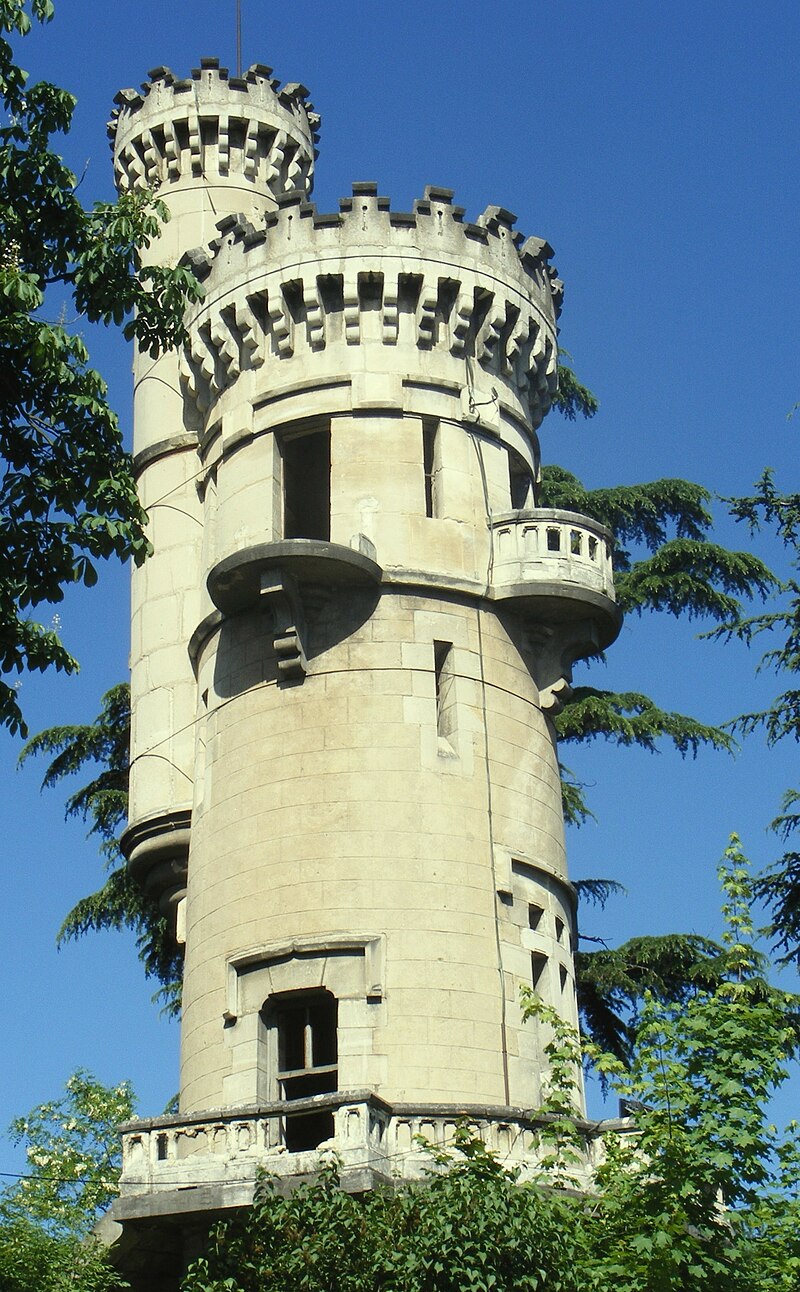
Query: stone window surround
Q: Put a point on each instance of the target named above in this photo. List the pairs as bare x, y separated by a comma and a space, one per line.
272, 959
349, 966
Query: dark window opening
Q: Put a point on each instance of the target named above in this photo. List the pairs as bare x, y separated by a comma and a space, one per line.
559, 929
538, 966
520, 482
554, 540
307, 485
307, 1033
430, 455
209, 136
370, 292
295, 301
331, 295
307, 1131
161, 1147
562, 969
237, 133
535, 914
445, 690
307, 1063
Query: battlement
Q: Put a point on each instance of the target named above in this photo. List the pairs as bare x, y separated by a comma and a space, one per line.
213, 124
311, 281
434, 217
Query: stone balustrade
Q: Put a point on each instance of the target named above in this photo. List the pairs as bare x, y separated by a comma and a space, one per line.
186, 1157
183, 1151
550, 546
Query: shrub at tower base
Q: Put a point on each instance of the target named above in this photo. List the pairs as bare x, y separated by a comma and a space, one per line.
703, 1196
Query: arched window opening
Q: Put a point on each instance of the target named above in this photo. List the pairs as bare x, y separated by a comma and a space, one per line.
305, 1028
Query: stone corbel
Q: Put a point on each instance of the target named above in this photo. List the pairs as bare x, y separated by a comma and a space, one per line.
280, 597
555, 649
157, 852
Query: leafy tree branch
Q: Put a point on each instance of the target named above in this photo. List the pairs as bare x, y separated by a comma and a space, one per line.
67, 496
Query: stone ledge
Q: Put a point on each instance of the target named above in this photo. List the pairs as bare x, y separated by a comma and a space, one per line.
185, 442
235, 583
156, 849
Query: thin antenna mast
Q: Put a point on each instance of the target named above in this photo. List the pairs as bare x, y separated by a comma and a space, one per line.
238, 37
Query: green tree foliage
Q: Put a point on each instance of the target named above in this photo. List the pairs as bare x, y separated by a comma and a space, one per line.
73, 1156
73, 1163
67, 496
612, 983
629, 718
572, 398
34, 1261
779, 886
702, 1197
469, 1226
104, 745
692, 1202
665, 561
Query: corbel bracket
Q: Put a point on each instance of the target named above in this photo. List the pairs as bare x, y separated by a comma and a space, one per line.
280, 598
555, 649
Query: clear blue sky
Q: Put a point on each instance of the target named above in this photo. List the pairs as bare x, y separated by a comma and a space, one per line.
655, 146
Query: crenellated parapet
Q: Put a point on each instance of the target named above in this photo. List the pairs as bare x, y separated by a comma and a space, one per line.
463, 299
215, 127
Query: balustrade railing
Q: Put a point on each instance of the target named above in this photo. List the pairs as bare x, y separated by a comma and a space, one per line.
368, 1135
546, 545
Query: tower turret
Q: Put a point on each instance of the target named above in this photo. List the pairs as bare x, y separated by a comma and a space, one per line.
208, 145
211, 145
378, 622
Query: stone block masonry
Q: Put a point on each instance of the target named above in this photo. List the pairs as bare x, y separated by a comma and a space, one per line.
347, 651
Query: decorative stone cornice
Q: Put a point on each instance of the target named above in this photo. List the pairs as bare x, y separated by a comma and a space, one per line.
213, 125
474, 293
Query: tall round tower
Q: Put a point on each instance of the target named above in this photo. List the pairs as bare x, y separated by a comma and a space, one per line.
208, 146
348, 647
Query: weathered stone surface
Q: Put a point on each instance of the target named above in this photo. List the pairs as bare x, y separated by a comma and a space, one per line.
345, 654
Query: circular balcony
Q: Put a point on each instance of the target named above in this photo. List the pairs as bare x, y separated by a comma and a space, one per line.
235, 583
558, 562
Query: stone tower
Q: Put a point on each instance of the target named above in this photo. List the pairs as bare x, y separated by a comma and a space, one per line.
347, 649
